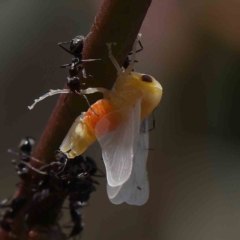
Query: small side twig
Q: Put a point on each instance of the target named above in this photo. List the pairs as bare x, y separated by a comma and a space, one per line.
117, 21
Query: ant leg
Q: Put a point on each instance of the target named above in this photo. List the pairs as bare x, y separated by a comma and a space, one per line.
66, 65
34, 169
61, 43
101, 175
79, 62
153, 122
90, 60
133, 58
130, 67
141, 46
14, 162
51, 166
131, 64
87, 102
65, 49
139, 50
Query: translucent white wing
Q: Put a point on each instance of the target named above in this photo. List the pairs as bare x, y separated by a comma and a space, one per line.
140, 191
115, 195
136, 190
121, 193
118, 145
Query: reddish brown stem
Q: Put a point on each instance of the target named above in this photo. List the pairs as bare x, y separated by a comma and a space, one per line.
117, 21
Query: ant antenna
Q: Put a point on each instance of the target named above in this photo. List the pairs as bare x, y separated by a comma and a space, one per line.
16, 153
34, 169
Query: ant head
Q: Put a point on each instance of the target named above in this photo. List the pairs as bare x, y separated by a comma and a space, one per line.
60, 156
74, 84
76, 45
26, 145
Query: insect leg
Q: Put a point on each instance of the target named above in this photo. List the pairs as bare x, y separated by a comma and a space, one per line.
112, 58
153, 122
89, 105
130, 67
14, 162
50, 93
141, 47
78, 62
65, 49
66, 65
34, 169
139, 50
61, 43
90, 60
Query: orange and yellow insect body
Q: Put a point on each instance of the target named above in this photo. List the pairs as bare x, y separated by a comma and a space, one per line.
129, 87
101, 107
82, 133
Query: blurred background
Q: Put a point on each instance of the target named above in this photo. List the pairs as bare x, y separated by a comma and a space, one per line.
193, 49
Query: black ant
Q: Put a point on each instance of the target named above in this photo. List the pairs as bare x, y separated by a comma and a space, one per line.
76, 217
75, 49
73, 82
51, 184
66, 177
79, 197
14, 207
25, 150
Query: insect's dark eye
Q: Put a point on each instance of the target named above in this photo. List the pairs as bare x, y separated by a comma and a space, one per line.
146, 78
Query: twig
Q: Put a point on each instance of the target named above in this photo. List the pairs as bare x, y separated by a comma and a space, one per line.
117, 21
